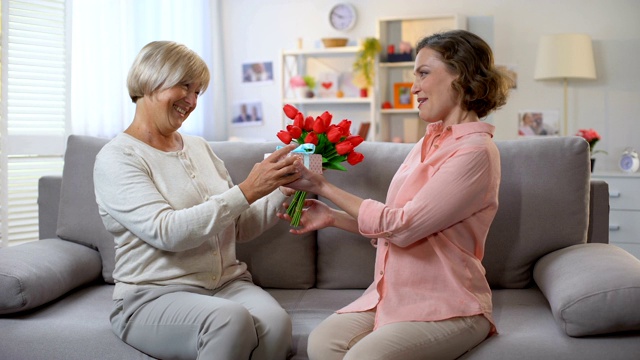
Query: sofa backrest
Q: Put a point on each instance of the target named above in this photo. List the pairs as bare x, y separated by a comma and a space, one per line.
544, 205
277, 258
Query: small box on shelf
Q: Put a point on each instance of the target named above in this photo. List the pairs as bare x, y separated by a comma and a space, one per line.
399, 57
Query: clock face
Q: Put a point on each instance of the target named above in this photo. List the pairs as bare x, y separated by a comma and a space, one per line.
629, 161
342, 16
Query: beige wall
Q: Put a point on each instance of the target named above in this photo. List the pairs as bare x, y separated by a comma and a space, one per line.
257, 30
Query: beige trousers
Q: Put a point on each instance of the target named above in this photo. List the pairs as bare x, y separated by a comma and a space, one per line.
350, 337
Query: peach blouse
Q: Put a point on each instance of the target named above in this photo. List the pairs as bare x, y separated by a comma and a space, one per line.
430, 233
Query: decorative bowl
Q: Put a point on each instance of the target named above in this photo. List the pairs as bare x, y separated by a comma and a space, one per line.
334, 42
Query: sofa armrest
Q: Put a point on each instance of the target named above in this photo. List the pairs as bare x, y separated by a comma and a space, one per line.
48, 204
598, 231
37, 272
592, 288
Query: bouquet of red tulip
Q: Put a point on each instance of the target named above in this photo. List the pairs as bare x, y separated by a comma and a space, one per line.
334, 142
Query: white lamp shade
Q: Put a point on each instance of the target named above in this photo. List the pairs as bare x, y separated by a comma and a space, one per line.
562, 56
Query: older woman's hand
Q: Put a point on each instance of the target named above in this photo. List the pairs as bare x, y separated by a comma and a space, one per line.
274, 171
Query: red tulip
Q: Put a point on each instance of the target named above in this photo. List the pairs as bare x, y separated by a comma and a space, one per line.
326, 117
295, 131
346, 125
308, 124
334, 134
354, 157
290, 111
284, 136
344, 147
298, 120
355, 140
311, 138
318, 125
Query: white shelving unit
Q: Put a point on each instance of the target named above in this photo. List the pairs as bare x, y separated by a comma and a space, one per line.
402, 124
315, 62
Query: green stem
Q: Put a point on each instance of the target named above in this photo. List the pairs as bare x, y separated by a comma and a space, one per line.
295, 208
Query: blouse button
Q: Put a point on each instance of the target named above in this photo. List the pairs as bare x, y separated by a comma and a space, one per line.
381, 272
214, 277
386, 243
448, 128
193, 176
435, 146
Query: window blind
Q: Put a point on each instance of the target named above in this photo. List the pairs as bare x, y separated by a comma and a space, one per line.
34, 108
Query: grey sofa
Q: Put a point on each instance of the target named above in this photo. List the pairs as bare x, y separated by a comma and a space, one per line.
559, 290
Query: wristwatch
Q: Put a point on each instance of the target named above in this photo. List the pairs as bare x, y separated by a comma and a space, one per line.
629, 161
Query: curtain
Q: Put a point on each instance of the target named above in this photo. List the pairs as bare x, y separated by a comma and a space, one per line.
106, 37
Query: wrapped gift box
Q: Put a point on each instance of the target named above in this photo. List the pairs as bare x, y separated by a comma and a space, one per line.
312, 161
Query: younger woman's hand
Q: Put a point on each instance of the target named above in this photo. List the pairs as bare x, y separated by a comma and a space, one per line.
316, 215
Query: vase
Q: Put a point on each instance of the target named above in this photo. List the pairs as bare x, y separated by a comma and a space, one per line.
593, 163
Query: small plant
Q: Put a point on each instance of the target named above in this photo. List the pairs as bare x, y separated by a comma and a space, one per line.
310, 81
364, 66
592, 137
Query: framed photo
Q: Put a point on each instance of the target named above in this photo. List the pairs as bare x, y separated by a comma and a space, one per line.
402, 96
248, 113
257, 72
538, 123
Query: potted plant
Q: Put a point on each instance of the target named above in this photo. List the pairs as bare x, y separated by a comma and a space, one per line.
364, 66
303, 86
311, 85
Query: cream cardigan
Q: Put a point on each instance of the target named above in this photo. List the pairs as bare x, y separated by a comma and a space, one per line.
175, 216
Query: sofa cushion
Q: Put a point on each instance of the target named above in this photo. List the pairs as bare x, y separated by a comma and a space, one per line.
277, 258
543, 205
78, 217
35, 273
592, 288
341, 252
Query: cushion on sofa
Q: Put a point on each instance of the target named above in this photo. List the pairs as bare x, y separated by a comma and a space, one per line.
35, 273
340, 252
543, 206
290, 263
78, 217
592, 288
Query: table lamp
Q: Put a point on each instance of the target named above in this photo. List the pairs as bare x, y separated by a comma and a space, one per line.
565, 56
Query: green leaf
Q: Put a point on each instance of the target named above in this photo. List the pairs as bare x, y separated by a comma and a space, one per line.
334, 166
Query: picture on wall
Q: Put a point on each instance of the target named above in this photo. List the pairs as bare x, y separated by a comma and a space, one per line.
257, 72
402, 96
538, 123
247, 113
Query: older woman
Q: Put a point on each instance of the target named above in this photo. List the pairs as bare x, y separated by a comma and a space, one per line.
429, 298
169, 202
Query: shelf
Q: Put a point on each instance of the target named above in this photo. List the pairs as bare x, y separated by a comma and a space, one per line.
399, 64
398, 111
346, 100
397, 123
323, 51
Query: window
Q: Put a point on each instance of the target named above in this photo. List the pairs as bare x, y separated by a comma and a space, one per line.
34, 109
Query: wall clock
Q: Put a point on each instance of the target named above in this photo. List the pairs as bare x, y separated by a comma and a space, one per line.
342, 16
629, 161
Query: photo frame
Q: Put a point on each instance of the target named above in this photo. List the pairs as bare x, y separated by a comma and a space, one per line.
402, 95
257, 72
538, 123
247, 113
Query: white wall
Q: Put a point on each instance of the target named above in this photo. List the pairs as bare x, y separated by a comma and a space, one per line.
257, 30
